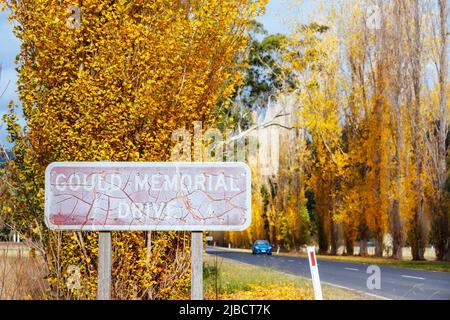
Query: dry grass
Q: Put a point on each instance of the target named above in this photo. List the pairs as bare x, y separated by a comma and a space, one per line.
21, 275
442, 266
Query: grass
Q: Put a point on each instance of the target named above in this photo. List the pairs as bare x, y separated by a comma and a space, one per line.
443, 266
229, 280
21, 277
432, 265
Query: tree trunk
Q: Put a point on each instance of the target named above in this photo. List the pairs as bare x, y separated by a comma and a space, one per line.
323, 239
379, 114
349, 244
416, 238
446, 255
440, 219
379, 244
397, 234
265, 207
363, 235
334, 238
333, 228
396, 85
440, 231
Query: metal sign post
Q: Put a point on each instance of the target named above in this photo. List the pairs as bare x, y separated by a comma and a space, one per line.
314, 272
197, 265
104, 266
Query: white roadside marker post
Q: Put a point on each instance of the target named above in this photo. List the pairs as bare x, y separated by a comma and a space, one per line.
197, 265
314, 273
104, 266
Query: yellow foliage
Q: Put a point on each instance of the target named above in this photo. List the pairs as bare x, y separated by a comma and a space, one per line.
271, 292
114, 87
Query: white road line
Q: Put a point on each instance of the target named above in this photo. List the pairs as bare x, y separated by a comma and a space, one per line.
411, 277
351, 269
353, 290
291, 260
376, 296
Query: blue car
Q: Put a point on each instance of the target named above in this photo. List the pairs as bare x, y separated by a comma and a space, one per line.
262, 247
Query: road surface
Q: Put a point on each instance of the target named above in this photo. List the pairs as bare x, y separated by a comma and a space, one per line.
396, 283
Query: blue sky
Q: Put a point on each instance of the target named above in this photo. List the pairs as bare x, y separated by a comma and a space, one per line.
9, 48
277, 19
280, 13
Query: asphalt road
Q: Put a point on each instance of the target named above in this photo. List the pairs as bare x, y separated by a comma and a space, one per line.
396, 283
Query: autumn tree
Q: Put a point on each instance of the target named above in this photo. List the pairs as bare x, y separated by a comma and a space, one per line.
376, 169
370, 101
311, 53
438, 143
111, 81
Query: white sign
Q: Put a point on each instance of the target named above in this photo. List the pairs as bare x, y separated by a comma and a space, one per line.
105, 196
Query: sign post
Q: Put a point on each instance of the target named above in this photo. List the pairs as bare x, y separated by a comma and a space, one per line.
314, 272
197, 265
104, 266
147, 196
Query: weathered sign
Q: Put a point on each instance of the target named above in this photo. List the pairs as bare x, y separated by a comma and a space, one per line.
105, 196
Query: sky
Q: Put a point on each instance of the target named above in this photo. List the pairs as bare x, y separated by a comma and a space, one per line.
277, 19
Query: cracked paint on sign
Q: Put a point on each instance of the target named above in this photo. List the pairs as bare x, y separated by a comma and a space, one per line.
147, 196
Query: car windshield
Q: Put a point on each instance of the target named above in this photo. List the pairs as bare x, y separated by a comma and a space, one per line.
261, 242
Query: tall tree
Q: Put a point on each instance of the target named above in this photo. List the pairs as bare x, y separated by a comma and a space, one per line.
417, 236
439, 146
112, 81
